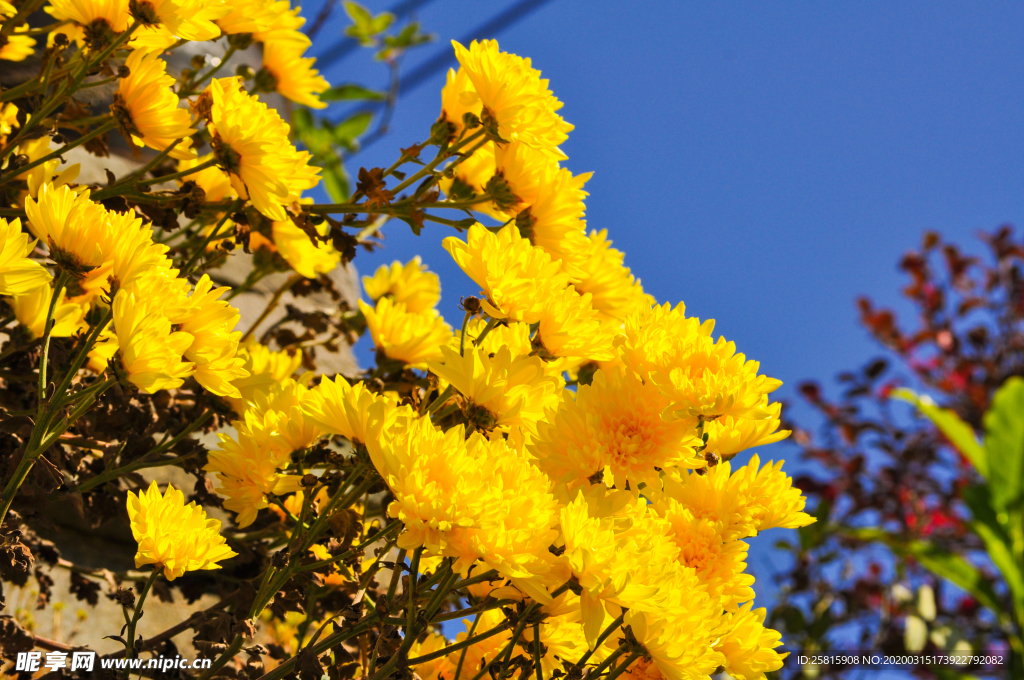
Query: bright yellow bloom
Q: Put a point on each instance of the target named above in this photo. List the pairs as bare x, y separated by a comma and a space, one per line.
679, 639
442, 667
249, 16
18, 273
513, 336
247, 465
719, 562
48, 172
306, 257
511, 99
470, 179
546, 201
354, 412
475, 499
284, 25
150, 352
266, 368
17, 47
251, 143
97, 17
177, 537
103, 351
702, 377
76, 229
293, 74
30, 309
613, 428
569, 327
500, 389
188, 19
615, 292
748, 646
211, 322
727, 435
516, 277
412, 338
410, 284
146, 109
288, 401
745, 502
133, 254
8, 120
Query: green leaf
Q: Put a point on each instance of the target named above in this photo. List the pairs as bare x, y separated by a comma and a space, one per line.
350, 91
1004, 446
942, 563
346, 132
949, 423
997, 541
408, 37
364, 25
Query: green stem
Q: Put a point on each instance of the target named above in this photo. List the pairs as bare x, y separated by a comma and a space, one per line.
321, 647
130, 638
491, 323
468, 642
80, 359
187, 269
462, 656
462, 336
58, 288
441, 399
623, 666
537, 656
601, 638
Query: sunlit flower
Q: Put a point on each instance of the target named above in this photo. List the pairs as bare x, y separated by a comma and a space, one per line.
749, 647
100, 19
173, 536
18, 273
728, 435
569, 327
8, 120
499, 389
250, 16
76, 229
251, 143
353, 411
30, 310
146, 109
150, 351
412, 338
614, 292
703, 377
211, 322
17, 46
509, 97
292, 73
306, 257
48, 172
188, 19
410, 284
613, 429
266, 369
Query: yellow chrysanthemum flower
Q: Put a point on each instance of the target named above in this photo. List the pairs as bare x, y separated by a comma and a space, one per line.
247, 465
18, 273
17, 46
703, 377
211, 322
99, 18
678, 640
249, 16
749, 647
613, 428
475, 499
509, 97
188, 19
133, 254
409, 337
8, 120
516, 277
150, 351
513, 336
546, 201
569, 327
354, 412
306, 257
292, 74
103, 351
728, 436
720, 563
75, 229
284, 25
500, 389
746, 502
146, 109
266, 369
470, 178
49, 172
614, 292
251, 143
30, 310
288, 401
410, 284
177, 537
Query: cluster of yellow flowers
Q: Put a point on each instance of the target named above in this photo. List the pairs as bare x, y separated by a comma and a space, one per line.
571, 439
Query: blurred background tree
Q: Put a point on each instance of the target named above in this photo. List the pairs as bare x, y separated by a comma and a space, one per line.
907, 554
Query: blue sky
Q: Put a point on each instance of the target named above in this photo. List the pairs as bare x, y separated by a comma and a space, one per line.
765, 163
